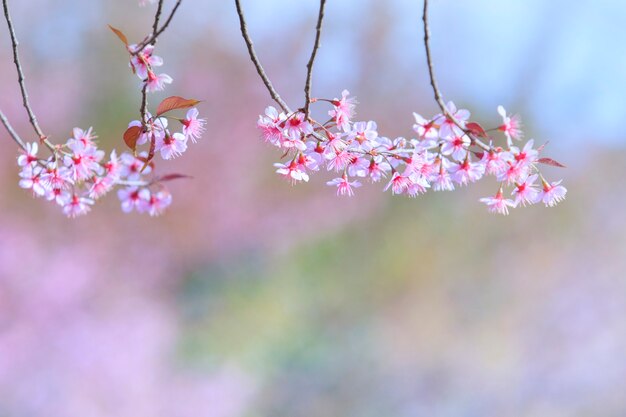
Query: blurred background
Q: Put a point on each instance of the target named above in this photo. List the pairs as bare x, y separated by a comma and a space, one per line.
251, 297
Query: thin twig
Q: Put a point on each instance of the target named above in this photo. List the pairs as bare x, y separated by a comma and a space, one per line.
12, 131
155, 31
309, 65
21, 81
255, 60
433, 83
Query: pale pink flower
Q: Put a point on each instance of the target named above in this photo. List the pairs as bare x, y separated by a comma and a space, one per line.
498, 204
441, 180
526, 192
84, 160
293, 172
511, 125
154, 127
358, 166
31, 180
113, 167
513, 173
193, 127
456, 146
158, 202
86, 137
399, 184
552, 193
315, 155
157, 82
447, 127
58, 195
494, 161
77, 206
56, 177
28, 156
296, 126
339, 160
171, 146
269, 125
467, 171
419, 185
143, 61
131, 166
377, 170
344, 187
425, 129
133, 198
527, 156
99, 187
364, 133
343, 110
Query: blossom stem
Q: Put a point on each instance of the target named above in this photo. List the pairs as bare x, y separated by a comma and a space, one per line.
309, 65
433, 83
12, 131
255, 60
156, 32
21, 81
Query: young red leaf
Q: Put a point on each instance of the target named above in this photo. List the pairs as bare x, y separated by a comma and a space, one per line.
131, 135
119, 34
550, 161
175, 103
170, 177
476, 129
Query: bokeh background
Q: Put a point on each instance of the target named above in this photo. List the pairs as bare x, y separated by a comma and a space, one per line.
251, 297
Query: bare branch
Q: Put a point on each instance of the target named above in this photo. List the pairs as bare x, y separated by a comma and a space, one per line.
309, 65
433, 83
255, 60
155, 31
12, 131
21, 81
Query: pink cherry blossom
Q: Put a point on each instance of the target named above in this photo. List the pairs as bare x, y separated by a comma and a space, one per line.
171, 146
466, 172
158, 202
28, 156
77, 206
344, 186
447, 127
31, 180
143, 61
294, 172
425, 129
526, 192
498, 204
511, 125
552, 193
343, 110
193, 127
134, 198
157, 82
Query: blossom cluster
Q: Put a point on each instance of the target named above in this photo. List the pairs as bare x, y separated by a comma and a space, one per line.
446, 152
77, 173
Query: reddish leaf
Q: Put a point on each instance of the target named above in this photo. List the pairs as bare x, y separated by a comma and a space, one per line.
146, 162
170, 177
150, 154
131, 135
476, 129
550, 161
174, 103
120, 35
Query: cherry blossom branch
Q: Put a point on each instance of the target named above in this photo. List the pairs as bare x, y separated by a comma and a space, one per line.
309, 66
255, 60
433, 83
156, 32
12, 131
21, 80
